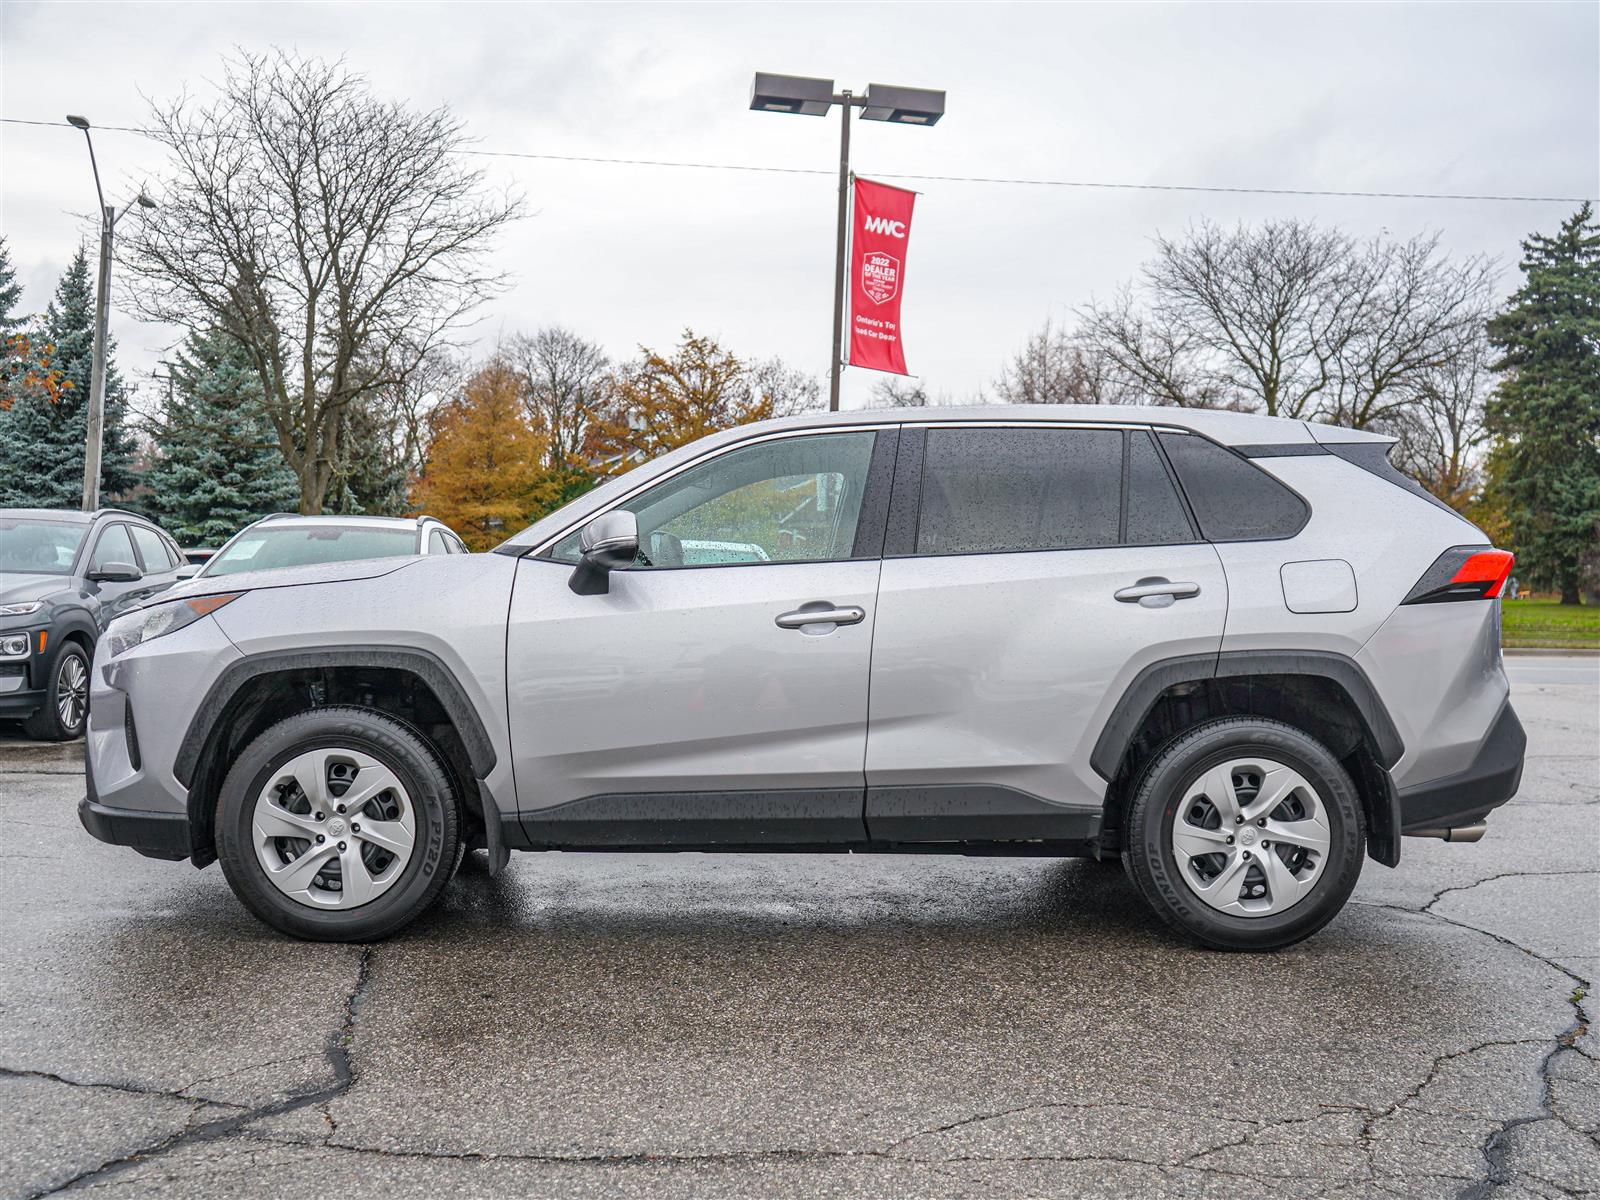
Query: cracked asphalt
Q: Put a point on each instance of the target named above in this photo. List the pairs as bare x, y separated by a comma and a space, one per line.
591, 1025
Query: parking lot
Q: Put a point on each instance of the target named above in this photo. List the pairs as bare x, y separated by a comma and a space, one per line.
673, 1025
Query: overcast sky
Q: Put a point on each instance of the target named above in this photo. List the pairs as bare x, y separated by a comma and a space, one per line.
1427, 97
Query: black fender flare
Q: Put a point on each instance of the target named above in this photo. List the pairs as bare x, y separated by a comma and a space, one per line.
428, 667
59, 631
1383, 838
1141, 695
425, 665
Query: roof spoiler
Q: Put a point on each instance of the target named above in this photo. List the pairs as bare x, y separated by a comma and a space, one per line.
1340, 435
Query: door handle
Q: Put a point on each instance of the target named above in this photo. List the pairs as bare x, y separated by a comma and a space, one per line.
821, 612
1156, 593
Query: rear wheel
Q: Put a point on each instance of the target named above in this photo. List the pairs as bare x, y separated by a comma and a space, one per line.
66, 703
1246, 834
338, 824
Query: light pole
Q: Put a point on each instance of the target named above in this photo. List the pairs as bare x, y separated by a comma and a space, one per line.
95, 432
803, 96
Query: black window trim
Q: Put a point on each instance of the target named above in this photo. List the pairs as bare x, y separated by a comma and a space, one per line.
875, 500
905, 514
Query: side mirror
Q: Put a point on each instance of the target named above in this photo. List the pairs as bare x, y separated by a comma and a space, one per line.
608, 542
115, 572
188, 570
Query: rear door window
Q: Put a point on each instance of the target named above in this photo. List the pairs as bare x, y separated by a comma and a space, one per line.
152, 550
990, 491
1233, 500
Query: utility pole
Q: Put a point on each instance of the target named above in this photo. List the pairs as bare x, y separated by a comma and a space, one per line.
94, 433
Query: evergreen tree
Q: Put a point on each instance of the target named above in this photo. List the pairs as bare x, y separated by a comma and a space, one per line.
10, 293
1545, 412
41, 453
216, 464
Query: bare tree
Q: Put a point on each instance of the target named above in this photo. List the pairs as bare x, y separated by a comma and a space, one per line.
566, 379
789, 390
336, 236
1247, 318
1055, 367
892, 392
1418, 316
1442, 430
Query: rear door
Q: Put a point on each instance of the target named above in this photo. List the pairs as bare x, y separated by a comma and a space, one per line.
1030, 573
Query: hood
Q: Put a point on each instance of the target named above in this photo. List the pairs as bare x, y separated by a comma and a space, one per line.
245, 581
18, 588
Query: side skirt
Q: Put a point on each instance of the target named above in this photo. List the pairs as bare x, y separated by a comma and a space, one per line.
980, 820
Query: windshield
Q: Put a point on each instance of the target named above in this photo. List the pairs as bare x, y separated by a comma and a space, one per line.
29, 547
264, 548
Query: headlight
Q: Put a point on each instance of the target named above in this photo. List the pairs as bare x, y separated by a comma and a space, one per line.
21, 610
14, 645
136, 628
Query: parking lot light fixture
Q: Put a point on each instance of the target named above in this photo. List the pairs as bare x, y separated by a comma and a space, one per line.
806, 96
94, 433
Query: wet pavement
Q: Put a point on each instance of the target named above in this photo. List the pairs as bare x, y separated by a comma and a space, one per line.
684, 1025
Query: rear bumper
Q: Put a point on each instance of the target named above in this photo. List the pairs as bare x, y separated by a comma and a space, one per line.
1464, 797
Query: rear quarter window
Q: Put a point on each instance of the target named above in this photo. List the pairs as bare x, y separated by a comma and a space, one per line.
1232, 499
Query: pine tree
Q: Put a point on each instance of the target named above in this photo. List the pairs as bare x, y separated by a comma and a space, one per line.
216, 464
41, 454
10, 293
1545, 412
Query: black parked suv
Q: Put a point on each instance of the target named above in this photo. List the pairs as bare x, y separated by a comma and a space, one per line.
63, 577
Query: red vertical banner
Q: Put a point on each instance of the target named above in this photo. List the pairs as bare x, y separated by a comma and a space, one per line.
881, 231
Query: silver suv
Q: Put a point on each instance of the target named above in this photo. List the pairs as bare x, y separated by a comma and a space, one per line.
1239, 653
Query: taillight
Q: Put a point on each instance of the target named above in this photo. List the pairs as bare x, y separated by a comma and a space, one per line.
1463, 573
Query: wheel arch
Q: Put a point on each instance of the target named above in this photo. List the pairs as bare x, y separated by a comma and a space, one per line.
1325, 694
259, 690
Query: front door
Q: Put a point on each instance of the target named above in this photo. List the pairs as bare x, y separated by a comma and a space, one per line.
1046, 566
718, 694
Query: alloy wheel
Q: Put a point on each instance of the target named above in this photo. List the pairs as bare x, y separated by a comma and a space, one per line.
72, 692
333, 828
1251, 837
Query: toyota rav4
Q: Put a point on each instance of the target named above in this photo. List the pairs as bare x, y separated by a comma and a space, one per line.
1240, 653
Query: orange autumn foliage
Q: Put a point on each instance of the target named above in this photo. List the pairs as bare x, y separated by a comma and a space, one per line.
485, 469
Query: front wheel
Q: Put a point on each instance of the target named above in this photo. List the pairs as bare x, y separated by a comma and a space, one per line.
338, 824
1246, 834
66, 698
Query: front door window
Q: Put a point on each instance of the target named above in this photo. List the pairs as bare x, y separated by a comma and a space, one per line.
787, 500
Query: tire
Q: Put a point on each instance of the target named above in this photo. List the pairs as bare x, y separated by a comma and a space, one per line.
1234, 897
350, 885
66, 698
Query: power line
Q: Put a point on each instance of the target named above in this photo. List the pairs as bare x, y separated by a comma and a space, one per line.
991, 179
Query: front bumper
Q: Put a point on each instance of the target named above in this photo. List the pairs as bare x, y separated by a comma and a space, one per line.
153, 834
157, 835
1466, 796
